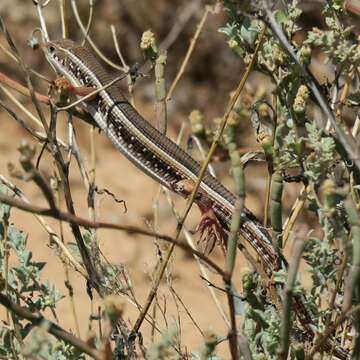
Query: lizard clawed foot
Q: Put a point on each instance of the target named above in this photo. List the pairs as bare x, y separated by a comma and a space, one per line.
64, 85
211, 232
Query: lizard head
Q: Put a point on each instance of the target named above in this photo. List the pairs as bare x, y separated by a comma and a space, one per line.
57, 54
64, 57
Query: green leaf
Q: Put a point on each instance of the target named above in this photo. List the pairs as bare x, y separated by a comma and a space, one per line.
249, 31
281, 17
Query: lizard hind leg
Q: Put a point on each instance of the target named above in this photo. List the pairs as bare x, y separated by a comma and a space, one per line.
210, 229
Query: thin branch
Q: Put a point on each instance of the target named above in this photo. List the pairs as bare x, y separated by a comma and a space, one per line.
72, 219
14, 58
337, 289
91, 94
220, 131
64, 250
186, 310
276, 209
160, 93
352, 288
36, 134
171, 249
180, 22
286, 325
29, 114
188, 54
51, 328
117, 48
64, 27
204, 273
232, 243
322, 338
22, 89
130, 79
34, 174
40, 97
88, 38
39, 8
66, 267
90, 19
203, 154
294, 213
94, 276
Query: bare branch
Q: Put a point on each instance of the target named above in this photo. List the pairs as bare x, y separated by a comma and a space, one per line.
51, 328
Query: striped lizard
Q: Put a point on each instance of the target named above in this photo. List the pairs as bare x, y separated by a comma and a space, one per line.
159, 157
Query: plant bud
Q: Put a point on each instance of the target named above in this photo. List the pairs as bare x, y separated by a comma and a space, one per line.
197, 123
114, 307
148, 40
305, 55
233, 44
301, 99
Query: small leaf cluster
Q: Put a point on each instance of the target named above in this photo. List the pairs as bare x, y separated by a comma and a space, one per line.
302, 147
26, 277
338, 42
242, 36
323, 156
262, 329
322, 259
40, 346
323, 266
261, 324
164, 348
24, 283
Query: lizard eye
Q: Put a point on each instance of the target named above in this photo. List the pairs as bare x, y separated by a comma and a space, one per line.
51, 48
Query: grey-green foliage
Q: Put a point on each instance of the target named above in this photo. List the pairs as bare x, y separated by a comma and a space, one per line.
207, 351
26, 277
301, 147
262, 329
109, 271
337, 41
40, 346
322, 261
261, 322
319, 164
25, 281
243, 30
164, 349
290, 151
288, 18
241, 36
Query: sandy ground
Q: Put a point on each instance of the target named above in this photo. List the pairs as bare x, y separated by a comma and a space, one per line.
136, 253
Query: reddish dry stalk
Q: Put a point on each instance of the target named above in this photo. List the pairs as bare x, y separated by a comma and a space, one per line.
22, 89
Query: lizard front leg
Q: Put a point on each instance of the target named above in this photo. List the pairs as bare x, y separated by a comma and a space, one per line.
64, 85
